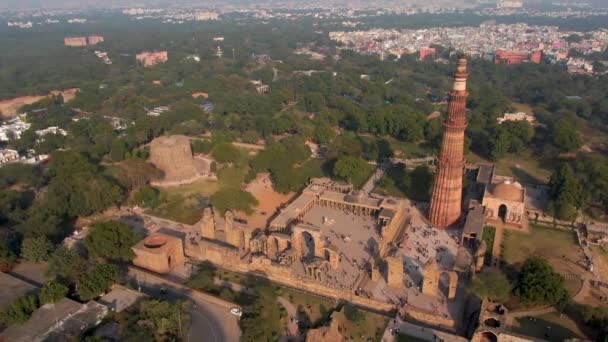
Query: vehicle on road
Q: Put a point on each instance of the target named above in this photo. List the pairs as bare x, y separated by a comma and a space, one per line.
236, 311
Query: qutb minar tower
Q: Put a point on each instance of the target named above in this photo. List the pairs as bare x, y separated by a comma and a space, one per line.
446, 201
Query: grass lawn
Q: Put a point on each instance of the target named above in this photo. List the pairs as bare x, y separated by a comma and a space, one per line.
320, 307
359, 325
524, 167
184, 203
407, 150
360, 180
557, 246
399, 182
313, 168
550, 327
488, 235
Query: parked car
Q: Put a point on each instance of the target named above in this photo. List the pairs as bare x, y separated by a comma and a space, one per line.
236, 311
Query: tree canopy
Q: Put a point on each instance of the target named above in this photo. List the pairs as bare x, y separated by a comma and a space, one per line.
111, 240
538, 284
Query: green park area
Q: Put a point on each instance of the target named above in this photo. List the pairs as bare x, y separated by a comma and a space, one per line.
360, 325
415, 184
557, 246
488, 236
184, 203
524, 167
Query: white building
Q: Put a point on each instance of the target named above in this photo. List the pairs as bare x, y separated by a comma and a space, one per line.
7, 156
13, 129
519, 116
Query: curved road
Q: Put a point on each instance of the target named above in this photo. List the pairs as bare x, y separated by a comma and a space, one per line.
210, 321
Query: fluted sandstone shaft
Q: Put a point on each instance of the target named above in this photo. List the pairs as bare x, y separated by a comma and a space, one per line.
446, 201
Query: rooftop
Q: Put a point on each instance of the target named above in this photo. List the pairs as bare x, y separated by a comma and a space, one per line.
13, 288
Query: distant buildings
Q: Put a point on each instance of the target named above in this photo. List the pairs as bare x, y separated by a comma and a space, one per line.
261, 87
94, 40
157, 111
150, 59
82, 41
7, 156
519, 116
516, 57
509, 4
75, 41
427, 52
13, 128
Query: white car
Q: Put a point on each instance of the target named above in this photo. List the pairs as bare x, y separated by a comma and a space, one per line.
236, 311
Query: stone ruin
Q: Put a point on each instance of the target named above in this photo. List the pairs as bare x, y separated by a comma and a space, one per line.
432, 275
173, 155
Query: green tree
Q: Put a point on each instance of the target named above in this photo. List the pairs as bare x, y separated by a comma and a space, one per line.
36, 249
52, 292
96, 281
323, 133
538, 284
147, 197
565, 136
225, 153
67, 264
233, 199
491, 284
118, 150
421, 183
565, 193
111, 240
349, 167
19, 311
7, 255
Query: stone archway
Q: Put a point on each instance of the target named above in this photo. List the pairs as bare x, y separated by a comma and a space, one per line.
307, 242
272, 248
488, 336
307, 245
502, 212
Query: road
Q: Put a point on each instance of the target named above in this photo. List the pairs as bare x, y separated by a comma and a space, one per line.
211, 318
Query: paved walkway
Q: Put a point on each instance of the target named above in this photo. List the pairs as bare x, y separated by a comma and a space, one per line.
292, 326
371, 182
511, 316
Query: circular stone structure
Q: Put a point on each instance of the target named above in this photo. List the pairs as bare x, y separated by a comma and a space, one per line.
173, 155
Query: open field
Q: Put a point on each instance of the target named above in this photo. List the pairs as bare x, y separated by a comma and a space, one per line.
10, 107
359, 325
551, 327
185, 203
525, 168
557, 246
316, 309
268, 199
